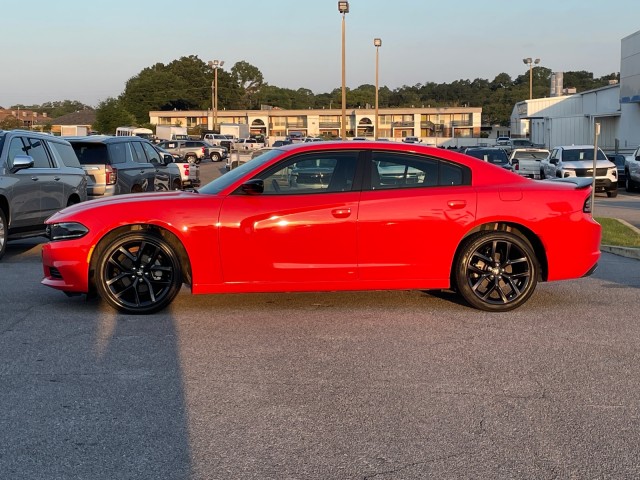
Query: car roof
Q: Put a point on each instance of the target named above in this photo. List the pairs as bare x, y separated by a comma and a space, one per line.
574, 147
104, 139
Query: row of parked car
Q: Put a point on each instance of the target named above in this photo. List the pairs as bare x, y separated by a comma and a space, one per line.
560, 162
41, 174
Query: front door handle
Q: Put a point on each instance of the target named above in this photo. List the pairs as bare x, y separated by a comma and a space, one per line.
341, 212
456, 204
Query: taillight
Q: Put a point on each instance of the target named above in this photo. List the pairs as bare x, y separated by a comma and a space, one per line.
516, 166
586, 208
203, 152
111, 175
186, 170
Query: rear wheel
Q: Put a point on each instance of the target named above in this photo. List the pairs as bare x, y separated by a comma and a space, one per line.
138, 273
191, 158
496, 271
4, 231
612, 194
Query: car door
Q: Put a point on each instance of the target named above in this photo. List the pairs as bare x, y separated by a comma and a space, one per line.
550, 166
413, 212
49, 178
294, 233
25, 188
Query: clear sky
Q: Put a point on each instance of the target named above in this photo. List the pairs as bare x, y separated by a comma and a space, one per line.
86, 51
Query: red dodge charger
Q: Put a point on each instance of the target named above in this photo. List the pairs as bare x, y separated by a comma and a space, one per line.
326, 216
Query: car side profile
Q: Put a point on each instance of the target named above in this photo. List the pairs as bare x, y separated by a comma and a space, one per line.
39, 175
329, 216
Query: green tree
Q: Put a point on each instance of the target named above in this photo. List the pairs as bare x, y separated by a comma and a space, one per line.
112, 114
249, 79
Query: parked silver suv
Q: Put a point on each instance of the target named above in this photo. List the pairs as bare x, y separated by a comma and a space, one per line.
39, 175
116, 165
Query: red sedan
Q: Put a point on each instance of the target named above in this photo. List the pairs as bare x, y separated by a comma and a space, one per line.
326, 216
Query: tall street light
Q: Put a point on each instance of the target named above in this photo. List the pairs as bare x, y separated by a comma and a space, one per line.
215, 64
343, 8
529, 61
377, 42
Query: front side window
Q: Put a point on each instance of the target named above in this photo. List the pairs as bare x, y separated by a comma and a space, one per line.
390, 170
318, 172
152, 154
35, 148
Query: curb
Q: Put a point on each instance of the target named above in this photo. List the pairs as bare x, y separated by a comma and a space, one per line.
622, 251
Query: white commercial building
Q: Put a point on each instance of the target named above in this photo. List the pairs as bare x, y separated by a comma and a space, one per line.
571, 119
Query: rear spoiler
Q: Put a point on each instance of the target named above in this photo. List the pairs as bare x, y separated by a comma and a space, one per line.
579, 182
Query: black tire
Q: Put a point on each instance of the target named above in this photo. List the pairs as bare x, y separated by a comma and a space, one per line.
612, 194
177, 184
215, 157
496, 271
542, 175
628, 184
4, 233
138, 273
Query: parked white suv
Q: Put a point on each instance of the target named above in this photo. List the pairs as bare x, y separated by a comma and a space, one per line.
577, 161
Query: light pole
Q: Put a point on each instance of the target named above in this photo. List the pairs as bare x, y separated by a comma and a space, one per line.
343, 8
214, 90
529, 61
377, 42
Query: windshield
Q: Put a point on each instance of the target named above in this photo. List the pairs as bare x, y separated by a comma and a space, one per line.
530, 155
581, 154
220, 183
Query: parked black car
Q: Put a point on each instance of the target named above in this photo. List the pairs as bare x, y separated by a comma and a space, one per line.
619, 160
39, 175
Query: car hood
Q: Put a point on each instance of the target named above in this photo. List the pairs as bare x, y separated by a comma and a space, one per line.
131, 198
588, 164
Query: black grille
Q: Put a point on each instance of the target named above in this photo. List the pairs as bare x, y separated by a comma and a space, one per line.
588, 172
55, 273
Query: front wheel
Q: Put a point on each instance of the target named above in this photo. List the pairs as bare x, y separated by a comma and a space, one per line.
542, 175
138, 273
628, 183
612, 194
496, 271
215, 157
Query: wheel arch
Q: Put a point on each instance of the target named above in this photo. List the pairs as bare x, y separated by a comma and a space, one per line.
167, 235
517, 229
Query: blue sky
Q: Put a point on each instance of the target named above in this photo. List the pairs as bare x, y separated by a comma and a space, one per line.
68, 50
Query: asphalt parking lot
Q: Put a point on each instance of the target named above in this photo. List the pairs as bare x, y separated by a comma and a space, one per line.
362, 385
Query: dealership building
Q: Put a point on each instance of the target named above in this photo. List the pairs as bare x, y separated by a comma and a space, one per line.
564, 119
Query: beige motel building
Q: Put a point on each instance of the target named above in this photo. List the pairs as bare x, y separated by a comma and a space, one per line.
438, 126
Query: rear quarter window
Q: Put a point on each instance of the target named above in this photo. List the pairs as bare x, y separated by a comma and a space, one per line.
120, 153
64, 154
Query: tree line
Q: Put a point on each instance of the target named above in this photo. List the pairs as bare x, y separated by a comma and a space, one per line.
186, 84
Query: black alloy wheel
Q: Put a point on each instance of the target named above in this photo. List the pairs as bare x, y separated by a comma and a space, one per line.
138, 273
4, 231
496, 271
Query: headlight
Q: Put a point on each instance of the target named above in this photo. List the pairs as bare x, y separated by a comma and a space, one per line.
66, 231
613, 172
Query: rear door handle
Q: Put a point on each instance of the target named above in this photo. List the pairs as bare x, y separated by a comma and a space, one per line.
341, 212
456, 204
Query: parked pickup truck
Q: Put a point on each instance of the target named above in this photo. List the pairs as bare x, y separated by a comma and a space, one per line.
179, 172
247, 144
526, 161
577, 161
632, 171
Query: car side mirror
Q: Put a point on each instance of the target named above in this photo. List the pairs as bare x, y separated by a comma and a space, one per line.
254, 186
553, 161
167, 159
20, 162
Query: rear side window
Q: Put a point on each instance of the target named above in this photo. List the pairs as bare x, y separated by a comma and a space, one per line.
64, 154
91, 153
120, 153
